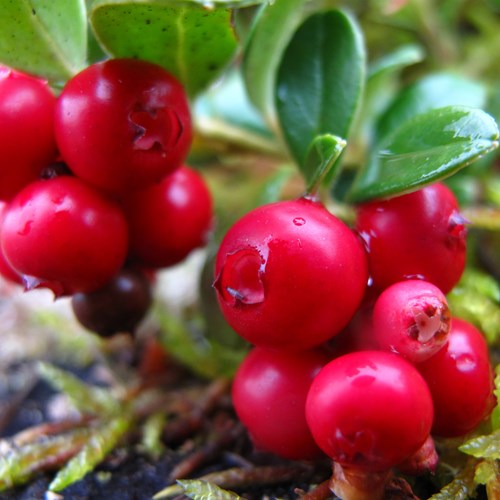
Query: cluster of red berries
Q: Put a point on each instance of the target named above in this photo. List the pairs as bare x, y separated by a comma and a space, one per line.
95, 193
356, 354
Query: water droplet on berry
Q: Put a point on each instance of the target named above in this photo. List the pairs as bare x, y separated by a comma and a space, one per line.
26, 229
299, 221
465, 362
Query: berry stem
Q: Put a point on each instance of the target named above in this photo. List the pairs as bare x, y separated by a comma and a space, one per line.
354, 484
322, 156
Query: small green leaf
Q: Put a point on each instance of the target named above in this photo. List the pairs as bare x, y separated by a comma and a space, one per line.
48, 39
152, 434
487, 446
485, 472
425, 149
320, 81
461, 488
202, 490
100, 443
402, 57
85, 398
431, 92
192, 42
495, 414
270, 33
321, 157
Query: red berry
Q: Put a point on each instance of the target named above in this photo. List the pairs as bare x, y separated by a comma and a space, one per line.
123, 124
420, 235
118, 306
269, 395
461, 381
62, 234
170, 219
411, 318
6, 269
26, 129
290, 275
369, 410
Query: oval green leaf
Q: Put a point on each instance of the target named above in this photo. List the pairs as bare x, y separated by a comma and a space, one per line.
433, 91
48, 39
425, 149
269, 35
192, 42
320, 81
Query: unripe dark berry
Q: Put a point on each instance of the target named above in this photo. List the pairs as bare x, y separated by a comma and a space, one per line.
26, 129
123, 124
170, 219
290, 275
62, 234
369, 410
119, 306
411, 318
460, 378
269, 396
420, 235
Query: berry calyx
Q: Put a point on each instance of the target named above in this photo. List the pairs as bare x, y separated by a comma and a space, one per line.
411, 318
460, 379
62, 234
369, 410
290, 275
269, 395
420, 235
123, 124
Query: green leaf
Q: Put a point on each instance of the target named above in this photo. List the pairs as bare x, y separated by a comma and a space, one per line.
202, 490
476, 298
320, 81
205, 357
425, 149
485, 472
321, 157
431, 92
487, 446
270, 34
48, 39
18, 464
495, 414
190, 41
99, 444
85, 398
461, 488
402, 57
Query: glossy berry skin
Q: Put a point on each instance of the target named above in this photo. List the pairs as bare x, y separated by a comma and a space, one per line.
170, 219
289, 275
123, 124
411, 318
64, 235
420, 235
269, 394
461, 381
26, 129
369, 410
6, 270
118, 306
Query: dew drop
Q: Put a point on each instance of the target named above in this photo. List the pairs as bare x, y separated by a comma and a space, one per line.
299, 221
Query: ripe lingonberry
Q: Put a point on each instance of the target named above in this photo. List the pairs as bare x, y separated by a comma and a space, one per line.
118, 306
369, 410
170, 219
6, 269
411, 318
461, 381
62, 234
269, 396
123, 124
289, 275
420, 235
27, 129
